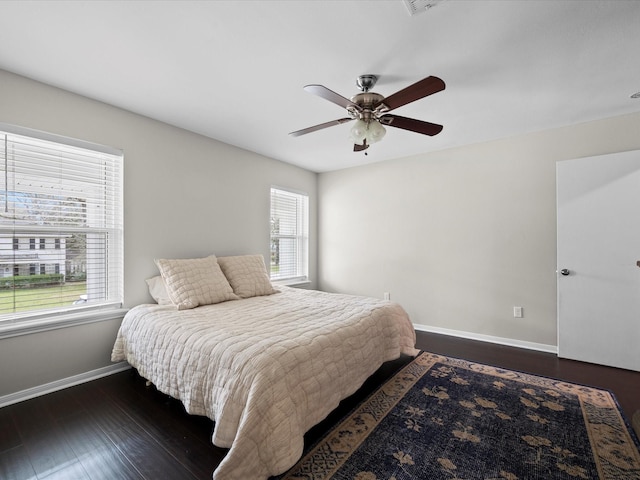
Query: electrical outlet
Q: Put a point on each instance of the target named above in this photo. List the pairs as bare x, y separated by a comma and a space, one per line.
387, 296
517, 312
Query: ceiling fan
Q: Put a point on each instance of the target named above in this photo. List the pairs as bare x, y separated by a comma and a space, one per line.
369, 110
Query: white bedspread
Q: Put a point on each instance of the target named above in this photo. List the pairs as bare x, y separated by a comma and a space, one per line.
264, 369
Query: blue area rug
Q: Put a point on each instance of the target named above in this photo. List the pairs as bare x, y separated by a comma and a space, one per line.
441, 418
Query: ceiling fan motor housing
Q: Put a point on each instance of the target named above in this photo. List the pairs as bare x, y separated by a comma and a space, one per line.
366, 101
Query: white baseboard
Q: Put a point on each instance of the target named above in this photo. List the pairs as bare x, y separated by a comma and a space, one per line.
61, 384
541, 347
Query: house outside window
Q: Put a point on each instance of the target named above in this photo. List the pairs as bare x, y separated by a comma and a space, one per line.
66, 193
19, 263
289, 236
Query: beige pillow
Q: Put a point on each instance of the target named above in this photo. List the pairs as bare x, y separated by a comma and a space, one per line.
195, 281
247, 275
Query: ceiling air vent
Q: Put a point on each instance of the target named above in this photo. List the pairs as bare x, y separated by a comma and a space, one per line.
419, 6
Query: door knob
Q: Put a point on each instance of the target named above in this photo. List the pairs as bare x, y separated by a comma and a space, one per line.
565, 272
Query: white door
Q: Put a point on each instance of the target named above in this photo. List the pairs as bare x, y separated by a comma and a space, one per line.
598, 254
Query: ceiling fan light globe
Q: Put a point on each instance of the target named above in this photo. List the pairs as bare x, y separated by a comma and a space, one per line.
359, 132
375, 132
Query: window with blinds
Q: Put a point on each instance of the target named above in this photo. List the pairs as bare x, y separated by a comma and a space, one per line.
61, 226
289, 235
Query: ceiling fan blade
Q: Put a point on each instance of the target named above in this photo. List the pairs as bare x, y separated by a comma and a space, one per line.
360, 148
411, 124
423, 88
332, 96
304, 131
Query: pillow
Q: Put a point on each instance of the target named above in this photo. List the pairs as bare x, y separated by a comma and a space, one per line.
158, 290
247, 275
195, 281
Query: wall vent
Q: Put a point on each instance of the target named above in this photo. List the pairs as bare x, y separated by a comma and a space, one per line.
420, 6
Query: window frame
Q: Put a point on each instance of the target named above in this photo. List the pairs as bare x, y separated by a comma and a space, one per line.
29, 321
301, 237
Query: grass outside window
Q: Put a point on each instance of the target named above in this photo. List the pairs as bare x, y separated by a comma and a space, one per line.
20, 300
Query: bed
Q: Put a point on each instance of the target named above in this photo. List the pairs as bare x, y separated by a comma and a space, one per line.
265, 364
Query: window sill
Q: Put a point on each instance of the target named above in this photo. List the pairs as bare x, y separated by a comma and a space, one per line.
55, 322
295, 283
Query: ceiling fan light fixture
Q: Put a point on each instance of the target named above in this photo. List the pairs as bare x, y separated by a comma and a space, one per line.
359, 132
375, 132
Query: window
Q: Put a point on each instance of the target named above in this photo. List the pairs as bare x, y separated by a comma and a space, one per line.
68, 194
289, 235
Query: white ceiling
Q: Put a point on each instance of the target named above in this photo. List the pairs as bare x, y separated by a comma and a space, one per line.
234, 70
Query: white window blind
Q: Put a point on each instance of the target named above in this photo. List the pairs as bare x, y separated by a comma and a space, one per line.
289, 235
61, 227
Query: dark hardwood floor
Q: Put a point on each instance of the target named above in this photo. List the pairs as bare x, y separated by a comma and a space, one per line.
117, 428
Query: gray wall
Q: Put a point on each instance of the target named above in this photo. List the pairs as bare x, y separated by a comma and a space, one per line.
185, 195
459, 237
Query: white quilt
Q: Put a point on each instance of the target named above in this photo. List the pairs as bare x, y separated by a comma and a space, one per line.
264, 369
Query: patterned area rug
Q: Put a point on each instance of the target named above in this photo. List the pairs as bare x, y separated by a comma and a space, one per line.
441, 418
